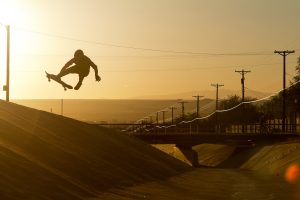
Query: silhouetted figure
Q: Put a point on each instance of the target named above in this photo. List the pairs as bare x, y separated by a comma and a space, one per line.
81, 67
263, 124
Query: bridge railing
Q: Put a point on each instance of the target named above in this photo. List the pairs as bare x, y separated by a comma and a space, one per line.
194, 128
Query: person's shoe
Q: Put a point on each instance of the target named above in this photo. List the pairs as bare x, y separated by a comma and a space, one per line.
77, 86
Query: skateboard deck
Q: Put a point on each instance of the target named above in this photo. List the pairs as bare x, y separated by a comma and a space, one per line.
58, 80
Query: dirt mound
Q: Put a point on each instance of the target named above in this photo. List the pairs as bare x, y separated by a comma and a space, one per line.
47, 156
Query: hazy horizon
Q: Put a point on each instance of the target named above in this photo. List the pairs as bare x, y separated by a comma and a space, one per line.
224, 93
112, 110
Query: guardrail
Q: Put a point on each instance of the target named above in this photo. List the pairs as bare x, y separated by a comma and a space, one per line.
194, 128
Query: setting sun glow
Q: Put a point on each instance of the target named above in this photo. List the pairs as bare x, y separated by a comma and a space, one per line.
12, 13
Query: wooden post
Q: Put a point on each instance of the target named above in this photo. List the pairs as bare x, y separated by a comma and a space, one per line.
7, 63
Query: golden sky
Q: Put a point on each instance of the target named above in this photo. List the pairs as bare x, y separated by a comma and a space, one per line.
45, 34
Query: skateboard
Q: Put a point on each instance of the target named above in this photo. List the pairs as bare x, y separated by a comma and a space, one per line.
58, 80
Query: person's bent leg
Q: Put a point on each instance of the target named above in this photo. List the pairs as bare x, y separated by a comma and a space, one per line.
67, 71
79, 82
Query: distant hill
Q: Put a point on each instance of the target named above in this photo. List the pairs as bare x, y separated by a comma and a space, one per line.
113, 111
131, 110
210, 94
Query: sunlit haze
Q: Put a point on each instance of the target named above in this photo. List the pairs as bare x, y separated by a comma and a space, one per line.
148, 47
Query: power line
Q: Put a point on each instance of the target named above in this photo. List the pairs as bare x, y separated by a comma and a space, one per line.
254, 53
185, 69
164, 69
166, 57
258, 53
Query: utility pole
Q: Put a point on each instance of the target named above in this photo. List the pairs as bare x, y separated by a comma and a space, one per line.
150, 117
243, 72
198, 102
217, 94
172, 109
217, 103
62, 107
145, 120
182, 108
284, 54
163, 112
6, 87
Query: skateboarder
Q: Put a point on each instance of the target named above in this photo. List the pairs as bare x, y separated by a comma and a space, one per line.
81, 67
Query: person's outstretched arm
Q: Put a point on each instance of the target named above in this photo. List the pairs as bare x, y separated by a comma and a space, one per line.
97, 77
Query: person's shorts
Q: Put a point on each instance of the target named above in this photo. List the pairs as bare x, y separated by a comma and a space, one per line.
79, 70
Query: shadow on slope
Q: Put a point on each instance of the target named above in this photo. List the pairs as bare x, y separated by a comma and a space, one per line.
47, 156
240, 156
266, 157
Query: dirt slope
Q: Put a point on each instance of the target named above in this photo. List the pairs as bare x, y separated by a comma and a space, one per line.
46, 156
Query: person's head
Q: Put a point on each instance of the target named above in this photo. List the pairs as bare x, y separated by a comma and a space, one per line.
78, 53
